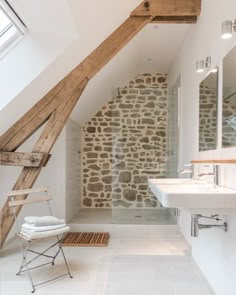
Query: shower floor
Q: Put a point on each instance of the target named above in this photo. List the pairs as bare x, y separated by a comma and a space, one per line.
158, 216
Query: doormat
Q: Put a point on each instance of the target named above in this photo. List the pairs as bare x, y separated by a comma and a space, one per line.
85, 239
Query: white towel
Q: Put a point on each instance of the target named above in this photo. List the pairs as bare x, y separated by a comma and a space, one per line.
40, 235
33, 228
43, 220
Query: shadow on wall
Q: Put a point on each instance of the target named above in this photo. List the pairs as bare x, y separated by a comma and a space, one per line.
124, 144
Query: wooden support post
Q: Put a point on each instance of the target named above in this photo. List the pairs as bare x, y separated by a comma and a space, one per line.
22, 159
45, 143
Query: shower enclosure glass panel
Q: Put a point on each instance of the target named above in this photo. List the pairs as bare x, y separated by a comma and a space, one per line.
173, 132
139, 151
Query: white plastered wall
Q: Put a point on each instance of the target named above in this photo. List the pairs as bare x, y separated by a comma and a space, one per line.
213, 250
73, 170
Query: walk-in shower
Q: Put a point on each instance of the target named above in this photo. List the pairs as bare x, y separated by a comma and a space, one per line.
144, 145
132, 138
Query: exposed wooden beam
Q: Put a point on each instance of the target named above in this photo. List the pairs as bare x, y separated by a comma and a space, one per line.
22, 159
112, 45
47, 160
38, 114
175, 19
45, 143
168, 8
32, 120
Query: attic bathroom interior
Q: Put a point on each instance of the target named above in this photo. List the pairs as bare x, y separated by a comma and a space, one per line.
130, 124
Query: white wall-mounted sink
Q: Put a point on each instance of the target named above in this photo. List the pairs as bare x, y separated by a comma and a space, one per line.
195, 197
175, 181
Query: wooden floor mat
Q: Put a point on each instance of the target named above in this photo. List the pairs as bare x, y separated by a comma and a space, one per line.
86, 239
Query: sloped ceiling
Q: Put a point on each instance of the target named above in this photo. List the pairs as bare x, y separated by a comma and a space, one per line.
90, 22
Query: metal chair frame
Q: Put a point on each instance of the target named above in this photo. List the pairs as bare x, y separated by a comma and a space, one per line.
24, 267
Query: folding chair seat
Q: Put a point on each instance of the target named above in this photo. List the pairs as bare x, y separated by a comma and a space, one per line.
31, 236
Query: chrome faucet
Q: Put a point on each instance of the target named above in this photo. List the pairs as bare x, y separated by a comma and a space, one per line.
204, 174
215, 173
188, 169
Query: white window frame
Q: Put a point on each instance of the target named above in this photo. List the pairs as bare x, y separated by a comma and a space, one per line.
17, 30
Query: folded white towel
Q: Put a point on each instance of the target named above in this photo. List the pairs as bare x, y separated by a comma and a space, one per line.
40, 235
41, 228
43, 220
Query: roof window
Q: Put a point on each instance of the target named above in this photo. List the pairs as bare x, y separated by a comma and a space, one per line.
12, 27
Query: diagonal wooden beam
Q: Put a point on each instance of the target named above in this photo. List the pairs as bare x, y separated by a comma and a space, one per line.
22, 159
38, 114
168, 8
111, 46
32, 120
45, 143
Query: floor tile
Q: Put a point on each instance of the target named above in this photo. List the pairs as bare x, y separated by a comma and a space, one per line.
140, 259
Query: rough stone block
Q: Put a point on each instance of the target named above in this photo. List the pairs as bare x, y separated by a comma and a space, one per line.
130, 194
95, 187
125, 177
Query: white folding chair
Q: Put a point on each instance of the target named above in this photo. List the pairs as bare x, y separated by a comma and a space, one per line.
24, 250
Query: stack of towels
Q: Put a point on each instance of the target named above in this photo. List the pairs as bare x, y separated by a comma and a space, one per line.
36, 227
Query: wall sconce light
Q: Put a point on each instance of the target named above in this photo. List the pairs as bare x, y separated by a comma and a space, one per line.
202, 64
227, 29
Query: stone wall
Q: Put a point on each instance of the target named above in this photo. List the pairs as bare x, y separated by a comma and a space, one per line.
208, 124
124, 144
207, 119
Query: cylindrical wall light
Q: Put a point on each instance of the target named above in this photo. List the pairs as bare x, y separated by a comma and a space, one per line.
227, 29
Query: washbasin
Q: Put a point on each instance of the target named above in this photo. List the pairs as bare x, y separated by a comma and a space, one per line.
186, 181
195, 197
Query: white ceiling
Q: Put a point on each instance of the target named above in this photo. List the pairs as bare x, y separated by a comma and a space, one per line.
90, 22
159, 45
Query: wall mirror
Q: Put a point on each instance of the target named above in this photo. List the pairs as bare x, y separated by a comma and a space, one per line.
229, 100
208, 92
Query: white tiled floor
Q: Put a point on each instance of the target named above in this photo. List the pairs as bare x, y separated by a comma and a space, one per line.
158, 216
138, 260
94, 216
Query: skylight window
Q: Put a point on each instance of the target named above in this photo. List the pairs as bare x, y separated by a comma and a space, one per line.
11, 27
